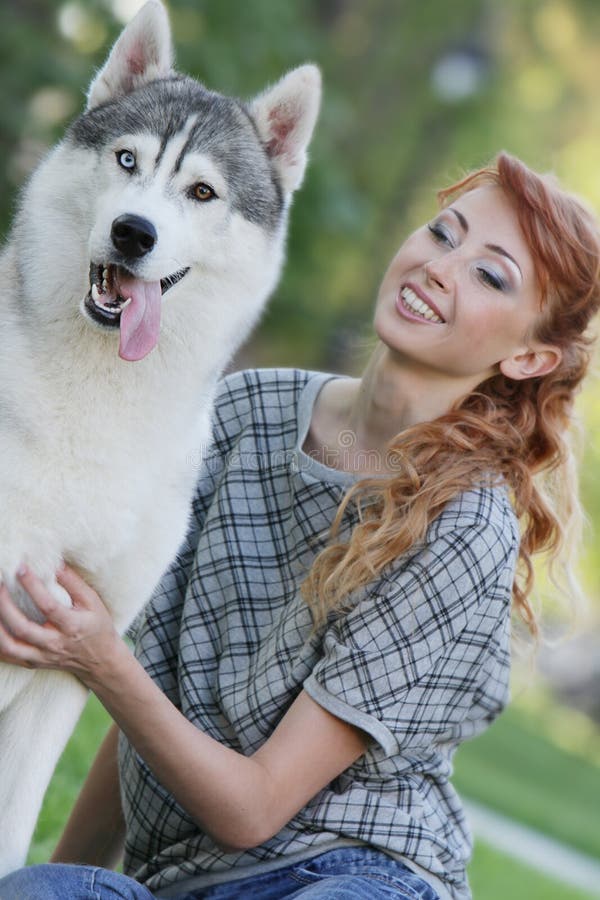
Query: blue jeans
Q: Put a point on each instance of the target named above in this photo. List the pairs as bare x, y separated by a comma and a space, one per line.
350, 873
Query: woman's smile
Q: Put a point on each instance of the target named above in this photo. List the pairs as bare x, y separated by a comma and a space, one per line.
415, 305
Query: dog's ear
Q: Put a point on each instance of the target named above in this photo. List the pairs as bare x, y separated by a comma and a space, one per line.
285, 116
142, 53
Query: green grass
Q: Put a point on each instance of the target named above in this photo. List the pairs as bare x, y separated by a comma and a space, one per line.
516, 770
494, 876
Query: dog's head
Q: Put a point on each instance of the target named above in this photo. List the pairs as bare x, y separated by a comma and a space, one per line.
179, 188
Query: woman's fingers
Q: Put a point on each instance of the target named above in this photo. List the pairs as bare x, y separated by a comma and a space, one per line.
74, 639
20, 639
18, 624
78, 590
54, 611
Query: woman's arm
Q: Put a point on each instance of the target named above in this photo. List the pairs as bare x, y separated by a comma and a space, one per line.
240, 801
95, 831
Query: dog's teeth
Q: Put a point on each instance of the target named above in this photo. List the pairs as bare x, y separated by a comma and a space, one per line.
127, 302
95, 293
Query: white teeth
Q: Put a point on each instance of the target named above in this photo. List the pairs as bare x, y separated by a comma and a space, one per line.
110, 305
416, 305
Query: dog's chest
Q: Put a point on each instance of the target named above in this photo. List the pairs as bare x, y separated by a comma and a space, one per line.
111, 474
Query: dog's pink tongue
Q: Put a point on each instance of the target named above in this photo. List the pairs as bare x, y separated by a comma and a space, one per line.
140, 319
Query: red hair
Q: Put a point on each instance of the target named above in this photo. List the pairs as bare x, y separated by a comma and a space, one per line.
517, 430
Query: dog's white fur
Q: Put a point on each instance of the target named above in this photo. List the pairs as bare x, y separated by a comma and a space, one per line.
99, 455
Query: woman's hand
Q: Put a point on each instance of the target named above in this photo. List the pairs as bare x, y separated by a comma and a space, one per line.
80, 640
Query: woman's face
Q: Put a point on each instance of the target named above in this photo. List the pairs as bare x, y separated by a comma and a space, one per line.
460, 296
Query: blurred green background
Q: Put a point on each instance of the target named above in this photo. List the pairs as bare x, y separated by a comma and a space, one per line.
416, 93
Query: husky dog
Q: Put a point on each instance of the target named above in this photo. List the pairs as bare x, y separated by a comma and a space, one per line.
106, 380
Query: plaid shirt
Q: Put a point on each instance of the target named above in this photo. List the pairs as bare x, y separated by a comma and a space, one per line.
420, 663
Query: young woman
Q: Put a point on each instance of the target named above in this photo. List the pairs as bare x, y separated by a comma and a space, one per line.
289, 717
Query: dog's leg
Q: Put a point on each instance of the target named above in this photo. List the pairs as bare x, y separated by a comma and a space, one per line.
34, 729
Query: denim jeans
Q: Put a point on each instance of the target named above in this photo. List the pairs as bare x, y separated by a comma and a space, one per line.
350, 873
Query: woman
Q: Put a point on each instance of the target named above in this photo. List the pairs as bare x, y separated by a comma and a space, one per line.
282, 742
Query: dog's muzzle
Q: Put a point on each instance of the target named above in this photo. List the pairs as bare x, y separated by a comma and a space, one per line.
104, 302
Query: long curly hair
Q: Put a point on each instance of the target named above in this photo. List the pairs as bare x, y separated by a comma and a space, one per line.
515, 430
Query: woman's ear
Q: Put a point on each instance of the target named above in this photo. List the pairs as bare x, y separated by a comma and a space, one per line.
531, 363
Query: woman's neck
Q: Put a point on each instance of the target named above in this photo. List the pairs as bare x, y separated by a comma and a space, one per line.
394, 394
355, 419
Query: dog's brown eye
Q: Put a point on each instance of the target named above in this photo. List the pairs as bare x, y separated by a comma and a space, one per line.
202, 191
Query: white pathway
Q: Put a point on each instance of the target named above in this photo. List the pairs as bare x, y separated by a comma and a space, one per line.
534, 849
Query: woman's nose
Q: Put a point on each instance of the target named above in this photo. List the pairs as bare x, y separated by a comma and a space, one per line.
439, 271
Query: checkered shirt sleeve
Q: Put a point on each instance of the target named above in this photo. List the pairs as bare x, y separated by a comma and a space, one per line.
401, 665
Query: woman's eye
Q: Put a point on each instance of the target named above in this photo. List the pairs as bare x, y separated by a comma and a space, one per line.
202, 192
440, 234
126, 160
491, 279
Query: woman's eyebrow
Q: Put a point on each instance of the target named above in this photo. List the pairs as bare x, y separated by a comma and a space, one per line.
463, 222
493, 247
496, 249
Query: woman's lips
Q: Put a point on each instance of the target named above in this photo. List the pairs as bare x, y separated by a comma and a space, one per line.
411, 304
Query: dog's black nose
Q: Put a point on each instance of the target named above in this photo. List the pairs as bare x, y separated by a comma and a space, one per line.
133, 236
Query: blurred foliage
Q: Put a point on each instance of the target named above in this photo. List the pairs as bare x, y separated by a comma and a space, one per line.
416, 92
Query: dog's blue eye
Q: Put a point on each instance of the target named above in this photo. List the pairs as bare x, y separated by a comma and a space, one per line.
126, 160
